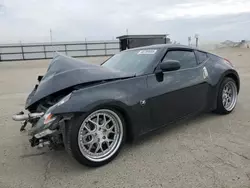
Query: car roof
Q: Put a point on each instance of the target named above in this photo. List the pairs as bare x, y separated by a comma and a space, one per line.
160, 46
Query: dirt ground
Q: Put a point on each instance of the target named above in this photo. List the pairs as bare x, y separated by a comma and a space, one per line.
207, 151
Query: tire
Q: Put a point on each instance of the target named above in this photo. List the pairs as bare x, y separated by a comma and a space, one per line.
223, 96
78, 144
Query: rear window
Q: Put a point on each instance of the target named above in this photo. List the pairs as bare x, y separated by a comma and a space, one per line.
201, 56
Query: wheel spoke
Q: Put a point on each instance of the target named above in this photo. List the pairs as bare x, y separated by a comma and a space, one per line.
110, 131
88, 134
87, 128
97, 119
104, 120
90, 146
107, 143
107, 122
94, 123
101, 147
111, 127
110, 140
226, 88
98, 147
87, 142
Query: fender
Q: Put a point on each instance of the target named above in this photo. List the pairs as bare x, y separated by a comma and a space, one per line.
119, 94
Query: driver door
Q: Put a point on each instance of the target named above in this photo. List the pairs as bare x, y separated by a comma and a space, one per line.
176, 94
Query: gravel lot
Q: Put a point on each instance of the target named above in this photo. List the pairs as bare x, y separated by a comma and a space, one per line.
207, 151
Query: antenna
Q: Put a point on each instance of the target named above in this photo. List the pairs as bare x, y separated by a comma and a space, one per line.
127, 31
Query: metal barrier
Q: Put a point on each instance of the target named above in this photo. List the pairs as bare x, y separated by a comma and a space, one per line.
46, 50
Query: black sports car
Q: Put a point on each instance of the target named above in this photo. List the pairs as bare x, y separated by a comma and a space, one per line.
92, 109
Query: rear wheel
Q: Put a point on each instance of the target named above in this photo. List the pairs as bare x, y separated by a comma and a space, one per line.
227, 96
96, 138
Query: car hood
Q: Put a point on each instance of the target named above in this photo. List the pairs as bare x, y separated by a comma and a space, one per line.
64, 72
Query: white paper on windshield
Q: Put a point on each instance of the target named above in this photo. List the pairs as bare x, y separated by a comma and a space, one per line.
143, 52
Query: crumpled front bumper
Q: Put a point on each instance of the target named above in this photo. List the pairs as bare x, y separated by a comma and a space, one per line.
44, 131
39, 131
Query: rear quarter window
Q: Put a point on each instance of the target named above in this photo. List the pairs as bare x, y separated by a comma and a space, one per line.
214, 57
201, 56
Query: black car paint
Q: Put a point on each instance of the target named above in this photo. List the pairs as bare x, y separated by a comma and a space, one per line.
169, 95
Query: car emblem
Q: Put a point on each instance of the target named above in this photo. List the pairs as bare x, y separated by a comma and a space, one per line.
142, 102
205, 73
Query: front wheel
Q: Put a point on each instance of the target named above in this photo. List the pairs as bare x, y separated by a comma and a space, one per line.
94, 139
227, 96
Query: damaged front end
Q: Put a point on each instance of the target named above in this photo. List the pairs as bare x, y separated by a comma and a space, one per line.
47, 129
64, 76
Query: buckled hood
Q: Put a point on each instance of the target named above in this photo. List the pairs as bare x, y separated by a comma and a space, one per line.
65, 72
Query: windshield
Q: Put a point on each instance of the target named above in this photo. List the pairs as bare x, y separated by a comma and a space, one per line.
132, 61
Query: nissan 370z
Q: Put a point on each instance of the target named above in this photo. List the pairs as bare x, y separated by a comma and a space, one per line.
93, 109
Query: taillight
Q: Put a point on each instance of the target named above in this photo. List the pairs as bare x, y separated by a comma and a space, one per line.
228, 62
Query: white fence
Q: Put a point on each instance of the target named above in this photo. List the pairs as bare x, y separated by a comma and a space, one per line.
46, 50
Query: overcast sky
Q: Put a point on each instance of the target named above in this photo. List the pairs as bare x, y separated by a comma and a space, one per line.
71, 20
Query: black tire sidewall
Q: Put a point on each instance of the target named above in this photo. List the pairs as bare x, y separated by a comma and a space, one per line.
72, 129
220, 107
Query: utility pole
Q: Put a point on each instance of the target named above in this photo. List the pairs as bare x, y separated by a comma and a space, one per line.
50, 32
196, 36
189, 41
21, 49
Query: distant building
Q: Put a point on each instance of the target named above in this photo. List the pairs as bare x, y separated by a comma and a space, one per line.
244, 44
133, 41
241, 44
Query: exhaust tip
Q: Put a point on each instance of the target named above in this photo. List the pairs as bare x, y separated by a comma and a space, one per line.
20, 117
23, 117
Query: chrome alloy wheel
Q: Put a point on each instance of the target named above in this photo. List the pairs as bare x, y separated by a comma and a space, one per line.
229, 96
100, 135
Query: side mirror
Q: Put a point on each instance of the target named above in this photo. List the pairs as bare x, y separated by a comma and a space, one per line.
170, 65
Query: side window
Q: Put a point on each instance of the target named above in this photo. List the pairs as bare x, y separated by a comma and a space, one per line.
187, 58
202, 56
